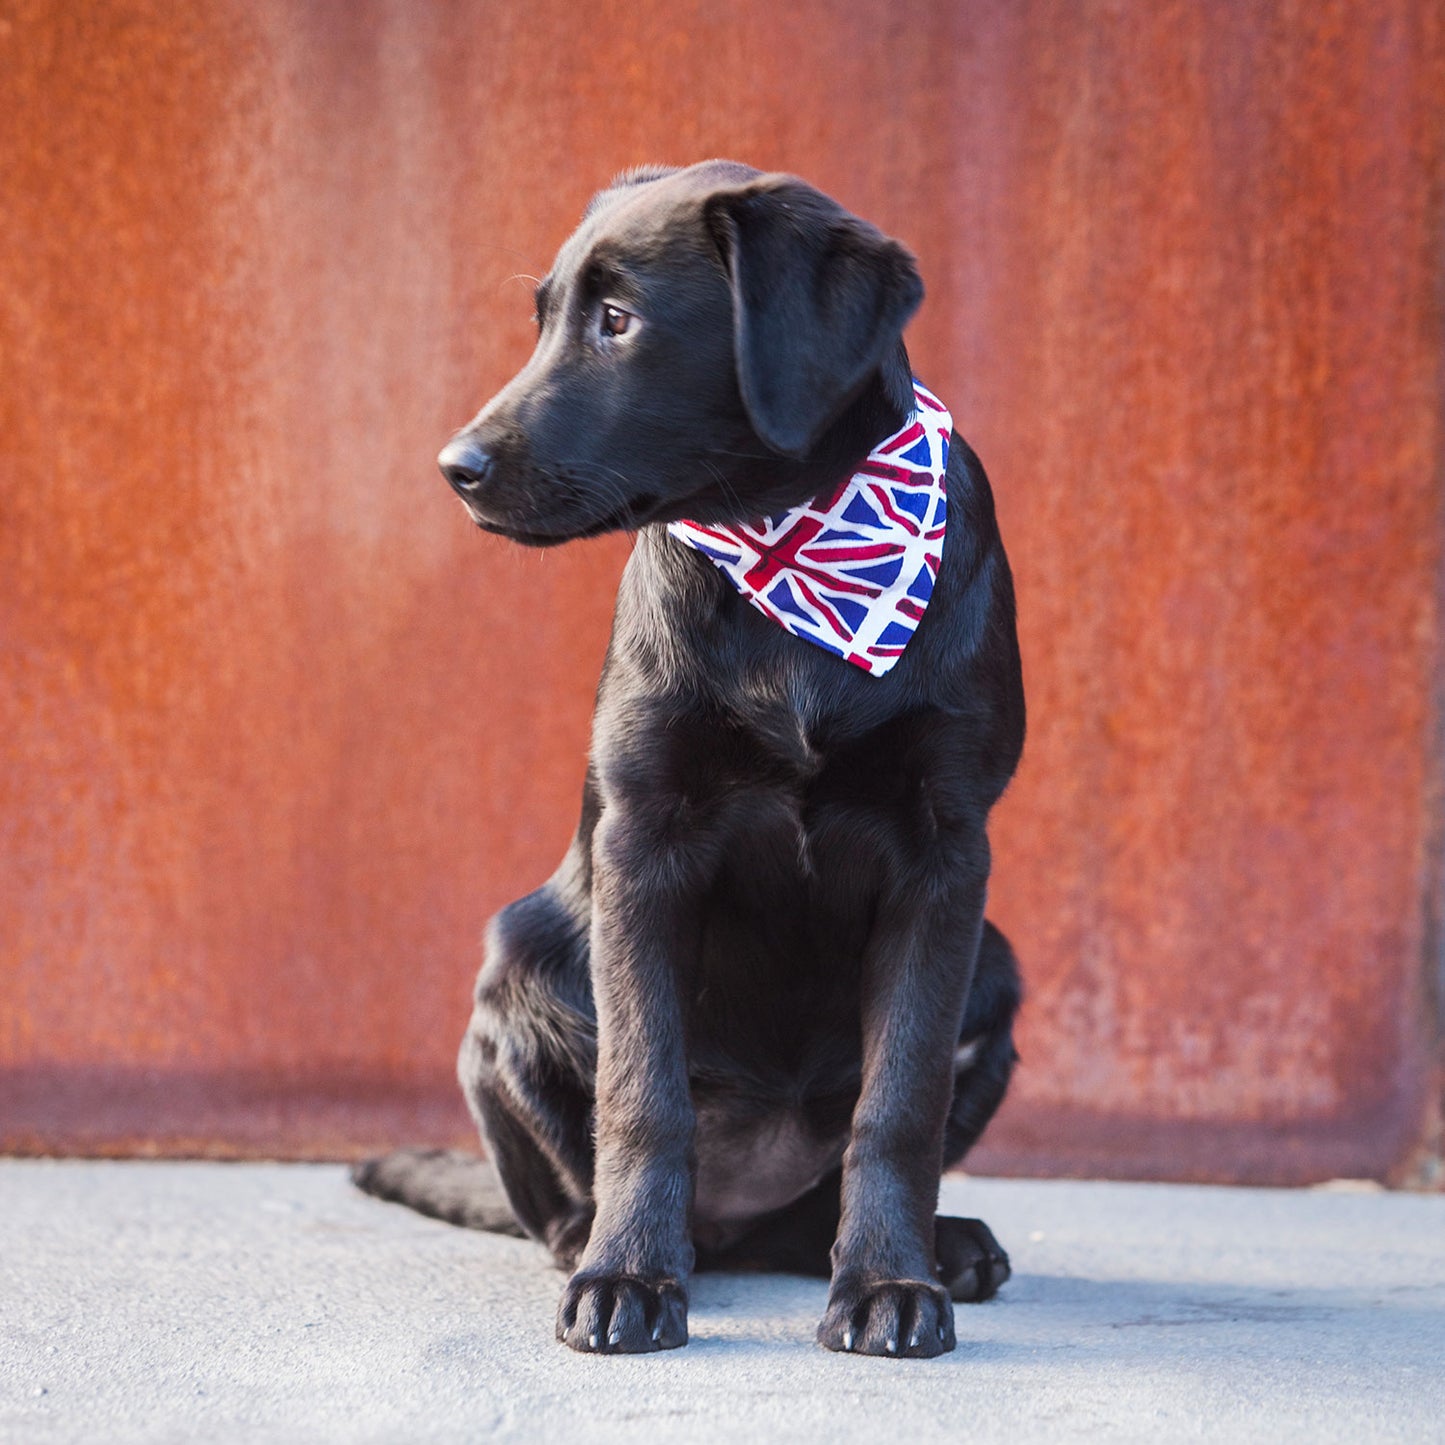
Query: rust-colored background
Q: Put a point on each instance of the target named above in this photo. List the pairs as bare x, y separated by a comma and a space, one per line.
278, 729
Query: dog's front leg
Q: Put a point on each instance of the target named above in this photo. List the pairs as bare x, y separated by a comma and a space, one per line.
629, 1293
885, 1297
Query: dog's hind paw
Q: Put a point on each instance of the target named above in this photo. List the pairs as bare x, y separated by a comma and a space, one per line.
618, 1314
906, 1318
971, 1262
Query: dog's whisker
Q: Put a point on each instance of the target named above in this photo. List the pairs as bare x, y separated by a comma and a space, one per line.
726, 487
742, 456
597, 475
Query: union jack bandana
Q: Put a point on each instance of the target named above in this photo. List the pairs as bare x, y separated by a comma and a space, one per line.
851, 571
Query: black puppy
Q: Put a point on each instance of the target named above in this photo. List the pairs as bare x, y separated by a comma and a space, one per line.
757, 1009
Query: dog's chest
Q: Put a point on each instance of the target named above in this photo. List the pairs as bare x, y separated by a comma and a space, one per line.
822, 762
782, 718
807, 830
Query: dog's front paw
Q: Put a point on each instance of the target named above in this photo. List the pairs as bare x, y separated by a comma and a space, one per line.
909, 1318
619, 1314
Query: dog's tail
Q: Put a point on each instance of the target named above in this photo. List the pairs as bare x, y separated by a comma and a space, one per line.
442, 1183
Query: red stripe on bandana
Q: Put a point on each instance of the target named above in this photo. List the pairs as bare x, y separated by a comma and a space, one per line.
844, 583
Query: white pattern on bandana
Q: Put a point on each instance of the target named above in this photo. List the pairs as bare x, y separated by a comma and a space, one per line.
852, 571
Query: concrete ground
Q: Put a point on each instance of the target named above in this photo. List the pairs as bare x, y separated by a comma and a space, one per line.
222, 1302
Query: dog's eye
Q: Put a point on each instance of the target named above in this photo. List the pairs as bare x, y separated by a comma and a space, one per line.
616, 321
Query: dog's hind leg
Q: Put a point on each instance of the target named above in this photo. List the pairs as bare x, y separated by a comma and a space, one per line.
984, 1059
526, 1066
970, 1261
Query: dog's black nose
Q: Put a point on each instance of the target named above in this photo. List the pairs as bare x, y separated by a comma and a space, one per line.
464, 464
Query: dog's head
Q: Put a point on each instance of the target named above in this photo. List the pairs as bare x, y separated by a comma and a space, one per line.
714, 343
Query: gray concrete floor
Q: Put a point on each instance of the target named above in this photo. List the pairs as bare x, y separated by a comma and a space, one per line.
214, 1302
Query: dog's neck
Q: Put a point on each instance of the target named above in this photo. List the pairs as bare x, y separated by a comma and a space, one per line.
878, 411
850, 570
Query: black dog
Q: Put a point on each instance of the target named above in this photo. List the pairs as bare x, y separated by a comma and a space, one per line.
757, 1009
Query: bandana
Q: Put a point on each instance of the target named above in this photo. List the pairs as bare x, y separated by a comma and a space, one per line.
851, 571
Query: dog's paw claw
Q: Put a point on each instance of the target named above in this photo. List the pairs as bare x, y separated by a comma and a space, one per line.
874, 1319
621, 1314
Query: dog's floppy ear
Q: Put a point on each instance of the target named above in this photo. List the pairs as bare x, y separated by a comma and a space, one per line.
819, 297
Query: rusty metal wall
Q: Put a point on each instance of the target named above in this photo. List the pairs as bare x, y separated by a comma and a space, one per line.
278, 730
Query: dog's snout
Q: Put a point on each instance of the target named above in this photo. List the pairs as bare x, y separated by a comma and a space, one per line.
464, 464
